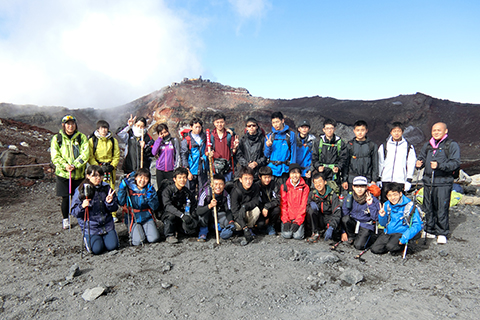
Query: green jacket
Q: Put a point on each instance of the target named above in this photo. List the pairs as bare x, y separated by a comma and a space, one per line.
73, 151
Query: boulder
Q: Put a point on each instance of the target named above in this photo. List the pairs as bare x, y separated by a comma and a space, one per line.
11, 160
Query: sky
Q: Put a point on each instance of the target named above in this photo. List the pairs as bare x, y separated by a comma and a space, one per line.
105, 53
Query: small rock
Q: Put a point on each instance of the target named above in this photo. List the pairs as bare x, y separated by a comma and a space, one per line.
72, 272
92, 294
167, 267
243, 242
13, 147
166, 285
24, 144
351, 276
443, 253
48, 300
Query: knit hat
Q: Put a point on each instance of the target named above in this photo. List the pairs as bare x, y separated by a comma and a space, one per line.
294, 166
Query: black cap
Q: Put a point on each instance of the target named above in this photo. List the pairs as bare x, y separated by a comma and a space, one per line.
294, 166
304, 122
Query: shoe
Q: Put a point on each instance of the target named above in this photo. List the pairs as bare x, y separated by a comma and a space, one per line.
172, 240
314, 238
202, 238
115, 219
271, 230
428, 235
441, 239
66, 224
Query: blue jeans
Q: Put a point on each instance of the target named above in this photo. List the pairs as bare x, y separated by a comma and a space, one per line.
98, 243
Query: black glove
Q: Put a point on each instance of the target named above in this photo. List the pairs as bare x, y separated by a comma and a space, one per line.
295, 227
86, 191
187, 219
248, 235
287, 226
107, 167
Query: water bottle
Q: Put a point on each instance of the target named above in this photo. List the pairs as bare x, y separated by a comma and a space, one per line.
187, 208
349, 200
341, 197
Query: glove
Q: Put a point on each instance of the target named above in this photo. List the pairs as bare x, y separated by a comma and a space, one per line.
227, 232
314, 205
151, 192
248, 235
187, 219
408, 185
328, 233
379, 184
295, 227
107, 167
287, 226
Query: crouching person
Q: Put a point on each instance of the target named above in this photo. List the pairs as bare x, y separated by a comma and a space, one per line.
269, 200
294, 195
179, 202
140, 200
360, 214
245, 203
324, 210
206, 205
93, 204
400, 219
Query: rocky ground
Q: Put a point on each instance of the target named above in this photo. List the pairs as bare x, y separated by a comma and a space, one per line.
271, 278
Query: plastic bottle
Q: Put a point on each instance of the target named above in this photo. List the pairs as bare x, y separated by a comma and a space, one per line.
187, 208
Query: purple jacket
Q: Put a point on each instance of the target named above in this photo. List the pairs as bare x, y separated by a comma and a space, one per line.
168, 154
366, 214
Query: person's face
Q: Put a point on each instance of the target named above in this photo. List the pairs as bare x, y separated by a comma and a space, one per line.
219, 124
246, 180
394, 197
141, 181
278, 124
360, 132
140, 125
295, 176
320, 184
251, 128
162, 134
70, 127
439, 130
304, 130
329, 130
180, 181
266, 179
218, 186
359, 190
196, 128
103, 131
95, 178
396, 134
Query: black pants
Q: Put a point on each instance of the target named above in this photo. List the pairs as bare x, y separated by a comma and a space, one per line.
363, 239
197, 181
436, 204
387, 243
281, 179
272, 217
172, 223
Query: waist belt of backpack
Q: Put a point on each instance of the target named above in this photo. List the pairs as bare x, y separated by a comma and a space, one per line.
277, 163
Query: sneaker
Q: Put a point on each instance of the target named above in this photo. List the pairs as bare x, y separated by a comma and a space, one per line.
172, 239
314, 238
271, 230
202, 238
441, 239
428, 235
66, 224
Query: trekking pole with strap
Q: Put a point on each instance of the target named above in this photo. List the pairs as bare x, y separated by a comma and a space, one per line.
69, 199
86, 219
141, 153
412, 212
210, 160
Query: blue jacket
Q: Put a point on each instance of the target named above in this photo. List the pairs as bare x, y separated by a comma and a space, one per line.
143, 201
304, 149
193, 155
395, 219
99, 211
281, 150
366, 214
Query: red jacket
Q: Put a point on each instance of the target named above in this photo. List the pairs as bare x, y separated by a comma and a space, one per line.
294, 202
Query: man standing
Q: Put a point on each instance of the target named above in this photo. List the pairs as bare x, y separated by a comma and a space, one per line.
441, 159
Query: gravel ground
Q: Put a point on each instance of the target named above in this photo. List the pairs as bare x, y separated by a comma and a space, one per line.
271, 278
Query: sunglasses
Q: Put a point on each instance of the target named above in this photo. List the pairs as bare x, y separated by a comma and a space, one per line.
251, 125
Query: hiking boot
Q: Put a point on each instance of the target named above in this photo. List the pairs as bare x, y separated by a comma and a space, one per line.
314, 238
271, 230
428, 235
441, 239
202, 238
66, 224
172, 239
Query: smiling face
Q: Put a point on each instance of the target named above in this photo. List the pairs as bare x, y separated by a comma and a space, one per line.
70, 127
394, 197
219, 124
439, 130
141, 181
396, 134
218, 186
295, 176
320, 184
95, 178
180, 181
251, 128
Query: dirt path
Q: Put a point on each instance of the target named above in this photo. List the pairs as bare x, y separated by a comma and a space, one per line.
272, 278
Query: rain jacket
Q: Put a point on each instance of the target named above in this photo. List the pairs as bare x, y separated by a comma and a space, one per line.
243, 201
250, 148
193, 155
362, 160
399, 164
133, 150
366, 214
72, 151
294, 202
303, 152
281, 153
143, 202
329, 154
167, 152
107, 151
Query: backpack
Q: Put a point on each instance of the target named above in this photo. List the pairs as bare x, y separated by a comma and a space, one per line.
338, 143
78, 138
95, 143
408, 213
456, 171
370, 144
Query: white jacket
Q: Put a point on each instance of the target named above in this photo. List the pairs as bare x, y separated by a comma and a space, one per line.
400, 162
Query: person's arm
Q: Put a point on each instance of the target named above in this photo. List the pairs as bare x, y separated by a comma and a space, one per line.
178, 158
302, 208
240, 153
123, 134
315, 156
156, 146
91, 159
293, 148
284, 204
336, 216
57, 157
374, 208
415, 228
422, 156
262, 161
381, 160
374, 163
167, 194
453, 161
184, 152
268, 149
152, 197
84, 155
113, 205
116, 153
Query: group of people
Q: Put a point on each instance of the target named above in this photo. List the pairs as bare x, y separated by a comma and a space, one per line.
285, 181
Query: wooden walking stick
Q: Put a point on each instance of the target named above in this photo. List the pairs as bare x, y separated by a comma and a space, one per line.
210, 160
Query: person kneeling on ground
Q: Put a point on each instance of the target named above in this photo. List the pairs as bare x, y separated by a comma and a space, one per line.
324, 209
96, 222
360, 213
269, 200
180, 207
245, 203
401, 221
205, 209
294, 196
140, 200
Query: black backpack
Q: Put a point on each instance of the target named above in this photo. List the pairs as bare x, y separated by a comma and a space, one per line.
95, 143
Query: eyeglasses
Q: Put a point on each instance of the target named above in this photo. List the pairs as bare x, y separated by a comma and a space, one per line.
97, 176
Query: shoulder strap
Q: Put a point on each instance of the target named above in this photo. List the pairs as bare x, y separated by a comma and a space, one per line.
189, 141
59, 140
287, 136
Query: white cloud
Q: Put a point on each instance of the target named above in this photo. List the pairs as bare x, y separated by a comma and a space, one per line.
91, 53
250, 8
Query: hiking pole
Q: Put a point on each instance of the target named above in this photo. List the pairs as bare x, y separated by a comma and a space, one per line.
86, 217
69, 199
359, 256
210, 160
334, 247
412, 212
141, 153
431, 201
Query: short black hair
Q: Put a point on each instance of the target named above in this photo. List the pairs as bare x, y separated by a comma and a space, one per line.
395, 187
196, 120
142, 119
103, 124
397, 125
179, 171
143, 172
265, 171
245, 170
360, 123
277, 115
250, 119
218, 116
317, 175
330, 121
161, 127
94, 168
219, 176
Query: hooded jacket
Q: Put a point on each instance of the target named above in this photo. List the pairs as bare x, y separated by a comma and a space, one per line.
133, 149
193, 154
143, 201
294, 201
366, 214
400, 162
251, 148
99, 211
328, 204
167, 152
362, 160
303, 151
329, 154
269, 195
395, 219
243, 201
73, 151
223, 203
281, 153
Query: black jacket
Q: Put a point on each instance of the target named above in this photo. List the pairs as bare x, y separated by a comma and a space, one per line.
448, 161
328, 205
269, 195
243, 201
330, 154
250, 150
362, 160
174, 201
223, 203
